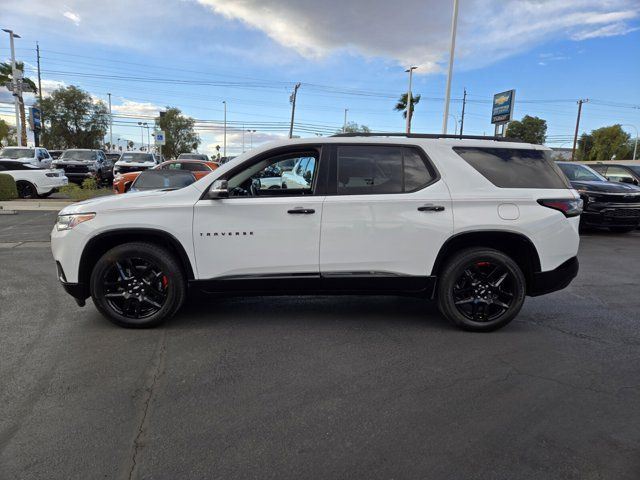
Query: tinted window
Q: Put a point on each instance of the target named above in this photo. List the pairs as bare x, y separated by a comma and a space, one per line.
17, 153
84, 155
162, 179
620, 174
578, 173
11, 166
195, 167
514, 167
373, 169
137, 157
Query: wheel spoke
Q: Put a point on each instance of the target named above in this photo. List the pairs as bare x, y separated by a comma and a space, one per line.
498, 282
465, 301
151, 302
115, 295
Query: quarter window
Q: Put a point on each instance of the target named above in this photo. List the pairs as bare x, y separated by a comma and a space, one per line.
366, 170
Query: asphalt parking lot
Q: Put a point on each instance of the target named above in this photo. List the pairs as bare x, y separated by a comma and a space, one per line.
319, 387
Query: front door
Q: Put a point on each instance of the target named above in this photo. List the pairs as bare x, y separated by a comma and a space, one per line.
264, 228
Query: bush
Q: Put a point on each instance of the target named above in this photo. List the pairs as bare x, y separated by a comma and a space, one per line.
90, 184
74, 192
8, 190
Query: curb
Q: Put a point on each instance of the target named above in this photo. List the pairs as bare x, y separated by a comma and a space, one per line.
16, 205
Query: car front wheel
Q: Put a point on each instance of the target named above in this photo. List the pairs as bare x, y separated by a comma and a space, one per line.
481, 289
137, 285
26, 189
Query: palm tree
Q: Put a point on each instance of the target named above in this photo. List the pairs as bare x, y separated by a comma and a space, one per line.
6, 76
401, 106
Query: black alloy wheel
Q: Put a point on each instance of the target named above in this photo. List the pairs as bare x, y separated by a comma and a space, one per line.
481, 289
138, 285
135, 288
26, 189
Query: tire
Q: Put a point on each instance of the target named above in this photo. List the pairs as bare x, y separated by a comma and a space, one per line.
622, 229
26, 189
481, 290
145, 284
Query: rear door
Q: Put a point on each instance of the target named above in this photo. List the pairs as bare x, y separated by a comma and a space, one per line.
387, 215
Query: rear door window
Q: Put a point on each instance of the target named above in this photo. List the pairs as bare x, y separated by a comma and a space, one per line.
514, 167
376, 169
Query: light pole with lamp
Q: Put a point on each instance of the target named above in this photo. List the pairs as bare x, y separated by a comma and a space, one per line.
409, 109
251, 132
14, 74
452, 50
455, 118
142, 125
224, 143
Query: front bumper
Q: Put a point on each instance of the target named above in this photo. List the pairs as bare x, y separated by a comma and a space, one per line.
553, 280
78, 291
611, 215
80, 177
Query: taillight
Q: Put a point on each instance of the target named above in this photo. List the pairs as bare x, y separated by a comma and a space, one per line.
570, 207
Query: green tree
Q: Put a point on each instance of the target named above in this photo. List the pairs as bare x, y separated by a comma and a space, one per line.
6, 75
179, 131
401, 105
609, 141
353, 127
584, 146
76, 120
7, 134
529, 129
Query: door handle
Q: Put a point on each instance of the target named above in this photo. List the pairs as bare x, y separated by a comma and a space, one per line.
301, 211
431, 208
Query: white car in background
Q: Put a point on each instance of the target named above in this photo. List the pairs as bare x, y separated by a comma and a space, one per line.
38, 156
135, 162
32, 181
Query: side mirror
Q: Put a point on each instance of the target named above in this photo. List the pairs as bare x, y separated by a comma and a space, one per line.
219, 189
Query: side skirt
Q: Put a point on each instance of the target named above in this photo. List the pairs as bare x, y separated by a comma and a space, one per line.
338, 283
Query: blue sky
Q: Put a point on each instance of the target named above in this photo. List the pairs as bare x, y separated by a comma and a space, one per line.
193, 54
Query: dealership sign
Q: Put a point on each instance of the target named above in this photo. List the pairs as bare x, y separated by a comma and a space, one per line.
502, 111
35, 119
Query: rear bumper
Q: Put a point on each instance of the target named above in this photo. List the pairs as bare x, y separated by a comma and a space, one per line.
553, 280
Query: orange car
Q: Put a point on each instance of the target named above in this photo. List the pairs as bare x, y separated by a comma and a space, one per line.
122, 182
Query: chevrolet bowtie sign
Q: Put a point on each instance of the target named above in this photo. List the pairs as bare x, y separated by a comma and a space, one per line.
502, 111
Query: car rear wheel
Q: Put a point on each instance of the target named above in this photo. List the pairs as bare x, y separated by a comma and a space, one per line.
481, 290
26, 189
137, 285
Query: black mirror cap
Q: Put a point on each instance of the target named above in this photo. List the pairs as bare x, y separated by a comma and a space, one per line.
219, 189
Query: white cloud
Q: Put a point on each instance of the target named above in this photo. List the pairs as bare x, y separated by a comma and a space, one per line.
74, 17
417, 31
135, 109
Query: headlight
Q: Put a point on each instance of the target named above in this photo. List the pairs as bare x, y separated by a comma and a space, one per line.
67, 222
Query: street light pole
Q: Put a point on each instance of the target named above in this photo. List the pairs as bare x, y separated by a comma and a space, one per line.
344, 125
409, 109
110, 125
15, 88
141, 134
224, 148
575, 136
251, 132
635, 147
447, 97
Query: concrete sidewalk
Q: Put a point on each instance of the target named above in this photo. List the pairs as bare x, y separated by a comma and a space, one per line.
49, 205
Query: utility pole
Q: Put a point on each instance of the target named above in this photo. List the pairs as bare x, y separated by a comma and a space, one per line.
110, 125
454, 25
575, 136
37, 134
16, 86
464, 103
344, 125
243, 138
409, 100
251, 132
224, 143
292, 99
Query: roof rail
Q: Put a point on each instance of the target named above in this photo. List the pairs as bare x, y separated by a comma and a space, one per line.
425, 135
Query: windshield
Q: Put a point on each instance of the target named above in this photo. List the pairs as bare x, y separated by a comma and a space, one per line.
192, 156
163, 180
82, 155
17, 153
137, 157
580, 173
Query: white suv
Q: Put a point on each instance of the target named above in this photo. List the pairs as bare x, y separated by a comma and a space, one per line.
474, 223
